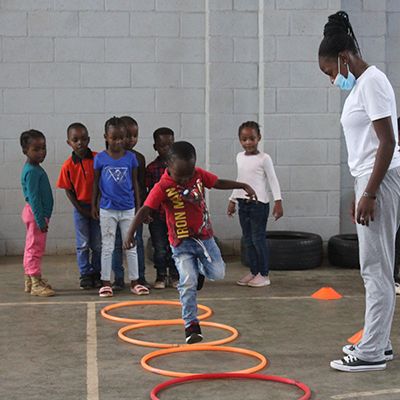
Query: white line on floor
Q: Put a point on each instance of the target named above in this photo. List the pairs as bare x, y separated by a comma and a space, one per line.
365, 394
92, 379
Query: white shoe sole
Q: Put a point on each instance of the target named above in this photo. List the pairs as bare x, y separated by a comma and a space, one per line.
266, 283
337, 364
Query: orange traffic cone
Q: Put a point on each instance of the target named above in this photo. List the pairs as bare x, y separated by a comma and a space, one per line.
326, 293
356, 338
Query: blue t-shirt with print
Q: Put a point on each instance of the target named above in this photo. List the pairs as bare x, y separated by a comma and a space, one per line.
116, 180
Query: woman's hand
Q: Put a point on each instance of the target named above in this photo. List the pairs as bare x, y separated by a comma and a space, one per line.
365, 211
231, 209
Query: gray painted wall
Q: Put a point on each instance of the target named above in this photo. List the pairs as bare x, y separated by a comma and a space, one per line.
201, 67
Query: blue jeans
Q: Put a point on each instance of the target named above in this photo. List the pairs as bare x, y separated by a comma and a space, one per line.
88, 237
117, 257
191, 258
253, 220
162, 250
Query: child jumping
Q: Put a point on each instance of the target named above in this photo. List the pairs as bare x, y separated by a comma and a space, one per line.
37, 211
115, 176
181, 193
76, 177
256, 169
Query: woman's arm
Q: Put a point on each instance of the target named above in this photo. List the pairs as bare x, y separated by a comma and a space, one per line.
366, 206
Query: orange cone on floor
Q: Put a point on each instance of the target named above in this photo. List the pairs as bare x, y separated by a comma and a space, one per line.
326, 293
356, 338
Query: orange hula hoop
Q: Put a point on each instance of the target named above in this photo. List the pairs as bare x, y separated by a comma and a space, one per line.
122, 331
104, 311
157, 353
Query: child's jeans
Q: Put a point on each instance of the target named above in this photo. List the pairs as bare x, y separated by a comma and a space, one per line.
191, 257
88, 237
109, 220
35, 244
162, 251
253, 220
117, 258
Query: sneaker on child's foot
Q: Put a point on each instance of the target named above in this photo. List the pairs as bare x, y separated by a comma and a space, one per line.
397, 287
349, 349
118, 285
96, 277
351, 363
259, 281
193, 333
173, 281
200, 281
244, 281
86, 281
142, 281
160, 282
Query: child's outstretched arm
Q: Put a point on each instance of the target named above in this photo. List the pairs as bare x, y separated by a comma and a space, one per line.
95, 194
228, 184
140, 217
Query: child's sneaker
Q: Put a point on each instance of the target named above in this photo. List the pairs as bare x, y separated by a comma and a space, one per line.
86, 281
118, 284
259, 281
193, 333
96, 278
160, 282
349, 349
351, 363
244, 281
173, 281
397, 287
142, 281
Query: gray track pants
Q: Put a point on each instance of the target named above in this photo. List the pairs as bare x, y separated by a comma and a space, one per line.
377, 248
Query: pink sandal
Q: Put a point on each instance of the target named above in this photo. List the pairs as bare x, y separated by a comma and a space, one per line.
140, 290
106, 291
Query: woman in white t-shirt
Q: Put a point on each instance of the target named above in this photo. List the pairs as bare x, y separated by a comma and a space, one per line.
369, 124
256, 169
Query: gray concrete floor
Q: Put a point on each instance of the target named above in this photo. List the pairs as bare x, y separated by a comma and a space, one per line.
61, 347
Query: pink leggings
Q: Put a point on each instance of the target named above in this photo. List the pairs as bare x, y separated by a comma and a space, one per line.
35, 244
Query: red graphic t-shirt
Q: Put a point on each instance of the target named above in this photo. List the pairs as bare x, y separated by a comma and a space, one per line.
185, 207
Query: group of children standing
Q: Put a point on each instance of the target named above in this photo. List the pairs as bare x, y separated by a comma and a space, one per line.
112, 191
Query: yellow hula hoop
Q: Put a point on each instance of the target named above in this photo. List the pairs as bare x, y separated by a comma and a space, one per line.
122, 331
157, 353
104, 311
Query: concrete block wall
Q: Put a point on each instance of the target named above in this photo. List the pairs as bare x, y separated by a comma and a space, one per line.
201, 67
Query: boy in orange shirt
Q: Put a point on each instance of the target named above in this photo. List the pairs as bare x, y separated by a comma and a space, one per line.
76, 177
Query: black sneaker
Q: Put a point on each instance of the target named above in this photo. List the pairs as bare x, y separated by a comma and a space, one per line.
118, 284
351, 363
96, 278
349, 349
86, 281
200, 281
193, 333
142, 281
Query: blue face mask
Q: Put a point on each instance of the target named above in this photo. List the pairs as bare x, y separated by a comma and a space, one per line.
342, 82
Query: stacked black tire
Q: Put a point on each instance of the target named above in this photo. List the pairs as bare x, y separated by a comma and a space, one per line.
290, 250
343, 251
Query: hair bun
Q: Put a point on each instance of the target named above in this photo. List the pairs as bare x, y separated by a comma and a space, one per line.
338, 23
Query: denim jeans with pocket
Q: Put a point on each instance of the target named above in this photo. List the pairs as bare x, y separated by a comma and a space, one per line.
191, 257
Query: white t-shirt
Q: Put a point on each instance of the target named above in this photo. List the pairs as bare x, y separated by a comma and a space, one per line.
372, 98
256, 170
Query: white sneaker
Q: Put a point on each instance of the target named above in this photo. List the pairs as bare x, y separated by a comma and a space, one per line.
351, 363
349, 349
397, 287
244, 281
259, 281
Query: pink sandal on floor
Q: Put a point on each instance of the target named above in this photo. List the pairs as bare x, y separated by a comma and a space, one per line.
106, 291
140, 290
